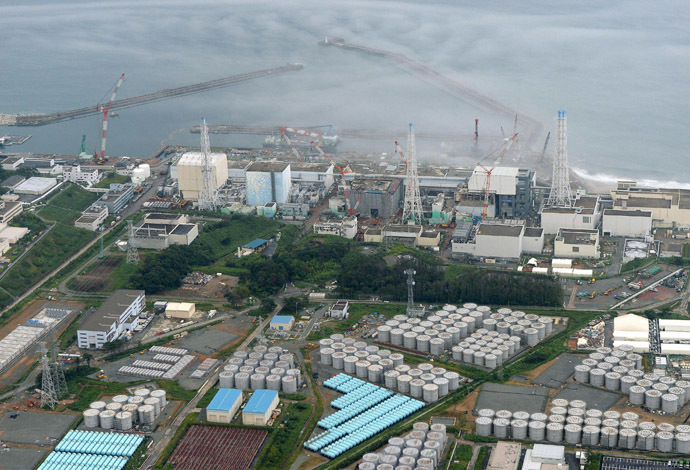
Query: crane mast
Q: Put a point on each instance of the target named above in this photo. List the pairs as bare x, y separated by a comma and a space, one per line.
105, 110
487, 189
292, 146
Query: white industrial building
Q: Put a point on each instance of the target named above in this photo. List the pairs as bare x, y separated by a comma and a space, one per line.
627, 223
500, 240
585, 214
670, 207
190, 175
118, 314
346, 228
257, 411
312, 173
224, 406
76, 174
9, 210
633, 330
36, 186
180, 310
268, 182
159, 231
340, 310
510, 189
576, 243
545, 457
92, 217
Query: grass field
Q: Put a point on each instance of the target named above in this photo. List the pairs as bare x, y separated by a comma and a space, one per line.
66, 206
111, 178
55, 247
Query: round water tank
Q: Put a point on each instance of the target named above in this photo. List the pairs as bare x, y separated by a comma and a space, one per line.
373, 358
430, 393
579, 420
349, 350
627, 438
683, 443
114, 406
554, 432
375, 373
404, 383
486, 413
596, 377
349, 364
592, 422
479, 358
652, 399
663, 388
608, 437
594, 413
573, 434
416, 386
427, 377
646, 425
630, 416
628, 424
410, 340
289, 384
538, 417
638, 374
273, 382
362, 369
664, 441
91, 418
645, 440
123, 421
627, 382
106, 419
457, 353
610, 423
590, 435
581, 373
557, 419
505, 414
559, 410
637, 395
436, 346
518, 429
132, 408
136, 400
155, 403
612, 414
161, 395
489, 361
613, 381
501, 426
537, 430
680, 393
591, 363
98, 405
665, 427
142, 392
396, 336
422, 344
669, 403
683, 429
242, 381
443, 386
397, 359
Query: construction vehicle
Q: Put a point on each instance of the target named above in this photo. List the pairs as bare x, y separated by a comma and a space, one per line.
608, 291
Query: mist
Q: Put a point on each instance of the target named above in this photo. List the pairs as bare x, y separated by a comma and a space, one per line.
618, 68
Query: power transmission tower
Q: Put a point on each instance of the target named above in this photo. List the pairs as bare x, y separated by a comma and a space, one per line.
132, 253
413, 202
561, 195
208, 195
412, 309
58, 374
48, 394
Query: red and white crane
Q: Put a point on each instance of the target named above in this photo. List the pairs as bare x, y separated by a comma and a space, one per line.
289, 141
508, 143
105, 110
350, 211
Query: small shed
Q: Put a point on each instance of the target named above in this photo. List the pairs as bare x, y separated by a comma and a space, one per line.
282, 322
183, 310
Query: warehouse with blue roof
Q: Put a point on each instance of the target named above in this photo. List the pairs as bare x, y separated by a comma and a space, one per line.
224, 405
282, 322
258, 409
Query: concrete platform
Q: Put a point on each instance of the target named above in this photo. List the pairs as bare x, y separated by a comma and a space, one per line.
512, 398
594, 397
556, 375
33, 427
21, 458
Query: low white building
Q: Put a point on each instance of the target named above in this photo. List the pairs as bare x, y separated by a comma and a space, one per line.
346, 228
585, 214
577, 243
77, 174
118, 314
632, 330
627, 223
36, 185
493, 240
545, 457
257, 411
340, 310
92, 217
533, 240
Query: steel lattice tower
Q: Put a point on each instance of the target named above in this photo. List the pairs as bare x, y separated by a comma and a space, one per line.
412, 309
208, 195
49, 396
560, 195
132, 253
413, 202
58, 374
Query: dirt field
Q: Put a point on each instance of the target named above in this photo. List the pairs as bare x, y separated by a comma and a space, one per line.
215, 289
98, 278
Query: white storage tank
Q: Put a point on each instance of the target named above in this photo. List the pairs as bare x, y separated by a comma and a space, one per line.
98, 405
683, 443
91, 418
416, 386
664, 441
559, 410
443, 386
637, 395
608, 437
582, 374
390, 379
430, 393
518, 429
596, 377
337, 360
410, 340
489, 360
396, 336
613, 381
479, 358
114, 406
669, 403
436, 346
627, 438
645, 439
665, 427
538, 417
457, 353
155, 403
501, 426
554, 432
120, 399
289, 384
375, 373
468, 355
680, 393
384, 333
626, 383
106, 419
226, 379
537, 430
505, 414
136, 400
349, 364
362, 369
123, 421
590, 435
242, 381
422, 344
273, 382
573, 433
326, 354
397, 359
652, 399
161, 395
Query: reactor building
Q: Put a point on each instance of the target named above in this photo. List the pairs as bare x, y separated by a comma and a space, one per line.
190, 175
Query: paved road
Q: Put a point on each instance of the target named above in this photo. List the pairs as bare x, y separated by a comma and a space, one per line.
158, 447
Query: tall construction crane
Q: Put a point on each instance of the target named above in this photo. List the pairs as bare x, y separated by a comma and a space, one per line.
546, 144
508, 143
105, 110
350, 211
289, 141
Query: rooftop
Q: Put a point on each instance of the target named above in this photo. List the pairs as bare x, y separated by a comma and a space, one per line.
282, 319
183, 229
375, 184
160, 215
316, 167
504, 456
256, 243
36, 183
628, 213
12, 181
260, 401
8, 207
500, 230
533, 231
651, 203
403, 228
576, 236
544, 451
225, 399
268, 166
109, 312
197, 158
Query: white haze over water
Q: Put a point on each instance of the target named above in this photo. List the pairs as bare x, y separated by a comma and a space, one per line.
620, 69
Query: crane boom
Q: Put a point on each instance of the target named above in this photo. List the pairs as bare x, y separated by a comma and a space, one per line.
105, 111
289, 141
487, 189
342, 173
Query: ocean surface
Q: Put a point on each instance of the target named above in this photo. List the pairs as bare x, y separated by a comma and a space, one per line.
620, 69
